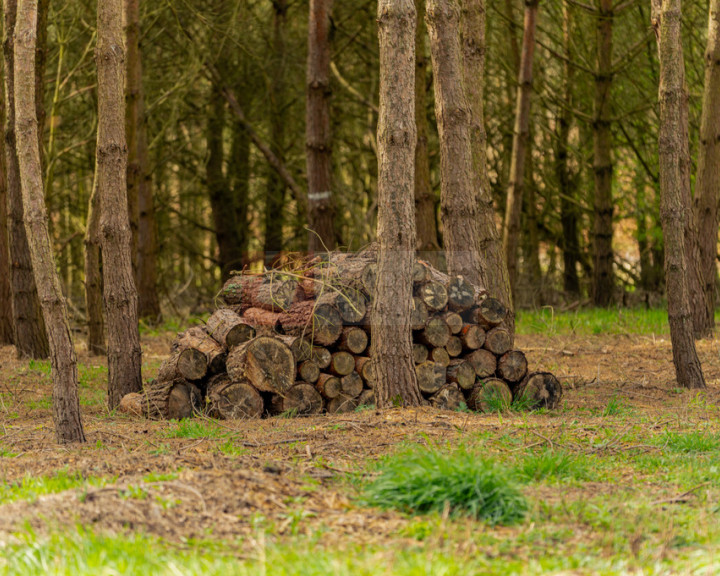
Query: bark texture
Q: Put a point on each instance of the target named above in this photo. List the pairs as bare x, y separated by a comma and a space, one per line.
674, 154
66, 405
318, 138
6, 319
521, 138
458, 199
93, 278
119, 292
391, 341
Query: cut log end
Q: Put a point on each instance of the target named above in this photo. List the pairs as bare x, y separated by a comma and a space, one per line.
461, 373
434, 295
301, 399
329, 386
540, 390
449, 397
491, 395
342, 405
352, 385
436, 333
461, 294
472, 336
431, 377
512, 366
233, 400
498, 341
265, 362
483, 362
491, 312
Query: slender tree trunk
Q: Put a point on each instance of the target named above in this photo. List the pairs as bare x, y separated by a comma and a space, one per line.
425, 212
707, 182
239, 182
119, 293
513, 210
93, 278
674, 156
66, 404
140, 193
391, 346
319, 140
493, 268
30, 337
459, 198
6, 319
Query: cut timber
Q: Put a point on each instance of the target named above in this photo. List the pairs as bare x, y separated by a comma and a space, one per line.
350, 303
300, 347
270, 291
418, 315
483, 362
454, 347
498, 341
233, 400
472, 336
171, 400
363, 366
301, 399
352, 385
262, 320
369, 278
512, 366
131, 404
420, 353
353, 340
540, 390
342, 363
329, 386
228, 328
455, 321
491, 312
309, 371
434, 295
430, 376
266, 362
449, 397
436, 333
491, 395
322, 357
367, 398
420, 273
342, 405
194, 355
461, 294
440, 356
318, 322
462, 373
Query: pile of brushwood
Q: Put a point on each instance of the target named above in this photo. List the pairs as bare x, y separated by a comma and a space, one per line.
297, 342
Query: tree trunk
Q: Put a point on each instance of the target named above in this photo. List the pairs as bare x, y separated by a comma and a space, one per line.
66, 405
603, 276
425, 213
140, 194
6, 317
674, 157
391, 341
93, 278
119, 292
707, 183
521, 136
493, 267
30, 336
319, 141
459, 199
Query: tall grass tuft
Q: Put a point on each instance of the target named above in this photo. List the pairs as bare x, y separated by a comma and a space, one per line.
554, 464
422, 480
689, 442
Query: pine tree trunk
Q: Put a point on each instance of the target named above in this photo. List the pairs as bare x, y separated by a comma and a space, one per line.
318, 138
30, 337
674, 156
66, 405
521, 136
391, 341
459, 199
119, 292
140, 193
425, 213
93, 278
707, 183
493, 267
6, 319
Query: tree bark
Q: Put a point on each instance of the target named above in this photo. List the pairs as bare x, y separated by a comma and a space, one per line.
6, 317
674, 157
425, 212
707, 182
66, 405
30, 336
391, 340
521, 137
93, 278
140, 193
119, 292
458, 199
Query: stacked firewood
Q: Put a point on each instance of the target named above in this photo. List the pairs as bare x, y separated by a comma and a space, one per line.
298, 343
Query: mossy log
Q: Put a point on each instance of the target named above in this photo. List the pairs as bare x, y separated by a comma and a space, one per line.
490, 395
233, 400
265, 362
540, 390
229, 329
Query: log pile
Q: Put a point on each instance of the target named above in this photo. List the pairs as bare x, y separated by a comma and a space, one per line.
298, 343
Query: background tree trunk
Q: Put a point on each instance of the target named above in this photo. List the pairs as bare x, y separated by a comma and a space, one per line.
30, 337
521, 136
707, 182
119, 293
459, 199
319, 140
674, 155
6, 319
93, 278
66, 405
140, 193
391, 342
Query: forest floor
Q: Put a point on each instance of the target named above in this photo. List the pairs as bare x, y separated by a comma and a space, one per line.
624, 478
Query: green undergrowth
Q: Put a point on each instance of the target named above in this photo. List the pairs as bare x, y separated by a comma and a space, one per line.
30, 488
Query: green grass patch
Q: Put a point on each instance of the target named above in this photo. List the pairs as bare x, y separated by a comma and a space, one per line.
549, 321
192, 428
689, 442
554, 464
89, 375
30, 488
423, 480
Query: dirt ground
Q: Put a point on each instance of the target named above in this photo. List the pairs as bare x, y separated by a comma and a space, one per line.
294, 475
